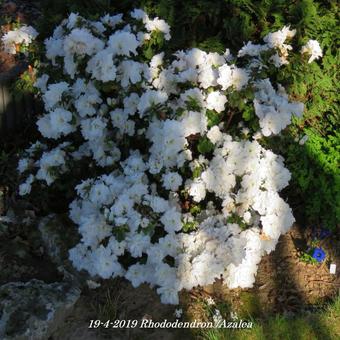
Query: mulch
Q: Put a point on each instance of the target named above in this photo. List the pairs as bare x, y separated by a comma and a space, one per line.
284, 283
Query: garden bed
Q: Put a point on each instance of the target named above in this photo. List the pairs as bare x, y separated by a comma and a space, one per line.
188, 169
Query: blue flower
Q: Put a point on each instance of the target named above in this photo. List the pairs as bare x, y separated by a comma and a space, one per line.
319, 255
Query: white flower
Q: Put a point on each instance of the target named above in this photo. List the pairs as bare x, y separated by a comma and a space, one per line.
171, 220
22, 35
123, 43
169, 294
210, 301
197, 190
86, 104
240, 77
105, 264
139, 15
215, 135
54, 94
278, 60
312, 47
72, 20
24, 164
138, 243
41, 83
172, 180
232, 76
216, 101
131, 103
150, 99
80, 42
178, 313
61, 121
158, 25
217, 318
58, 122
136, 274
54, 159
130, 72
225, 76
252, 49
303, 140
273, 108
100, 194
207, 77
25, 188
93, 128
101, 66
92, 284
158, 204
247, 216
277, 39
112, 21
157, 60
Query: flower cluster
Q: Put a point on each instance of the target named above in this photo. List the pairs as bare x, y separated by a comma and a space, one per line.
181, 197
22, 36
312, 48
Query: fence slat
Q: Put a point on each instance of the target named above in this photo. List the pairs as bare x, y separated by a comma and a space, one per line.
15, 111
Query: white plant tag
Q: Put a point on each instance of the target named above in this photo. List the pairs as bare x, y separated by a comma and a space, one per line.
332, 268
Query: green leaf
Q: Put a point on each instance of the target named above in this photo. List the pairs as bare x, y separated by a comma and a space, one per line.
148, 52
204, 145
248, 113
196, 172
189, 226
213, 118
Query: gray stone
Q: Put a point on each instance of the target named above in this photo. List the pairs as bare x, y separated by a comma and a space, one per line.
58, 236
33, 310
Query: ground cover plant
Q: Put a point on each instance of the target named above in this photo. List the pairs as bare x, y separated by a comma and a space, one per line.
320, 325
177, 196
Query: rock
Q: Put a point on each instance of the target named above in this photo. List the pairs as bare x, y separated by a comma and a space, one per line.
10, 7
58, 237
33, 310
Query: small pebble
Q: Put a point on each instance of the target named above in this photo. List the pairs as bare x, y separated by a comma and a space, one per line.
332, 268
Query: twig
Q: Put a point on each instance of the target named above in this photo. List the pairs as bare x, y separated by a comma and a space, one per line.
229, 119
331, 283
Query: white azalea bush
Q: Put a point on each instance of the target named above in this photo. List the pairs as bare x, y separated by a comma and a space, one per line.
180, 197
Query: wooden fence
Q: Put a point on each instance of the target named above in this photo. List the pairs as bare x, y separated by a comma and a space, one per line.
16, 109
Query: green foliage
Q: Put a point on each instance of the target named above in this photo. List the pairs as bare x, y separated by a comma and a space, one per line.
196, 172
305, 257
24, 84
234, 218
153, 45
321, 325
150, 229
213, 118
204, 145
192, 104
195, 209
189, 226
250, 306
120, 231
